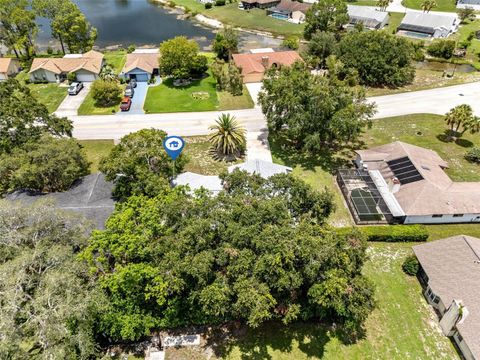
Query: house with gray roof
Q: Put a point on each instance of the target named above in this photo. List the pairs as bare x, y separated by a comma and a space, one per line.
428, 25
261, 167
369, 16
91, 197
450, 274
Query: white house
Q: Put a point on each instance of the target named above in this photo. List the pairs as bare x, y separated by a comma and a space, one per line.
8, 67
142, 64
413, 184
450, 274
428, 25
369, 16
87, 67
260, 167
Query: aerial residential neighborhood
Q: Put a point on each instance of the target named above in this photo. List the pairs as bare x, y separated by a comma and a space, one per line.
251, 179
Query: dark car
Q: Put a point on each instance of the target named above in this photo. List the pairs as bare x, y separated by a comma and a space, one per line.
129, 91
126, 104
133, 83
75, 88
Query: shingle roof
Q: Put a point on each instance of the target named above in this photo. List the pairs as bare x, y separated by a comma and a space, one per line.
289, 6
436, 193
5, 63
197, 181
453, 269
428, 20
260, 167
143, 61
91, 196
90, 61
253, 63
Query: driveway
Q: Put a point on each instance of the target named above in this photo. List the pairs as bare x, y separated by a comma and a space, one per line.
71, 103
254, 89
137, 100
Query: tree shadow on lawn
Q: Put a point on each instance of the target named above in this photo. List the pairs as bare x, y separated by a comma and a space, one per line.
450, 136
308, 338
328, 160
196, 82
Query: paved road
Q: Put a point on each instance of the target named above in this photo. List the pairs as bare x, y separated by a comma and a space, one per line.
436, 101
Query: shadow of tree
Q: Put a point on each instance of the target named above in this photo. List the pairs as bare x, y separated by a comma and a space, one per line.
464, 143
328, 160
307, 337
450, 136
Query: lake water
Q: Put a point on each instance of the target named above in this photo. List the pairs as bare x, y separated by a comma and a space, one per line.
143, 22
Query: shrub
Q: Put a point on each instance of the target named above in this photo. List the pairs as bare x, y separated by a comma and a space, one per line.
49, 50
106, 93
219, 2
396, 233
71, 77
208, 5
411, 266
131, 49
473, 155
442, 49
291, 42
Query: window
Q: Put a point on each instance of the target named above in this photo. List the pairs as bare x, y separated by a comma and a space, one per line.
457, 215
436, 299
437, 215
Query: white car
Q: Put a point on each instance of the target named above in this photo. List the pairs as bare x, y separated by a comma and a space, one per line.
75, 88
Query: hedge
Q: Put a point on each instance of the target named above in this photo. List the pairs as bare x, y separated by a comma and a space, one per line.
396, 233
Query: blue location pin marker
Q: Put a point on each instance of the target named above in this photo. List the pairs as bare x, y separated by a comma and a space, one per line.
173, 145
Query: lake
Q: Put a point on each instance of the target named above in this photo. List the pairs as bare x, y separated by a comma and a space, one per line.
143, 23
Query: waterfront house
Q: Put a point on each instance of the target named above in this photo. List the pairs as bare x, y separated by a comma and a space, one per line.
293, 11
260, 4
142, 64
9, 67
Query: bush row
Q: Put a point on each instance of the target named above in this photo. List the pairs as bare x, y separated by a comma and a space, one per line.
396, 233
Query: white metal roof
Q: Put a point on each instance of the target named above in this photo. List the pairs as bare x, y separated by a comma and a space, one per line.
367, 12
260, 167
429, 20
389, 198
197, 181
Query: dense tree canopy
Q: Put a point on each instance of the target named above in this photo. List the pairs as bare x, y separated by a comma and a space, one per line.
46, 165
140, 165
325, 15
314, 112
180, 58
320, 47
106, 92
252, 253
48, 302
225, 43
24, 119
381, 59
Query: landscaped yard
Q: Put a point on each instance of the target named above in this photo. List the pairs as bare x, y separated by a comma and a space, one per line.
402, 326
442, 5
88, 107
95, 150
50, 95
394, 22
116, 59
473, 51
200, 95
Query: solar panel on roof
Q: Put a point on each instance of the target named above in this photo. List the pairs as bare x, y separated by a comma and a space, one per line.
404, 170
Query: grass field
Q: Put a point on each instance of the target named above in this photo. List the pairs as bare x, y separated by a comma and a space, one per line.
200, 95
95, 151
442, 5
473, 51
402, 326
50, 95
394, 22
116, 59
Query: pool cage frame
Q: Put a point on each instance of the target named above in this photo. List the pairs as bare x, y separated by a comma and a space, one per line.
375, 210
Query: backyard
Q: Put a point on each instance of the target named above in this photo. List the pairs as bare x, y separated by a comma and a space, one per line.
116, 59
403, 325
442, 5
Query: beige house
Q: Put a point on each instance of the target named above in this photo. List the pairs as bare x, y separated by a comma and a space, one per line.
289, 10
142, 64
254, 65
86, 66
450, 274
8, 67
409, 184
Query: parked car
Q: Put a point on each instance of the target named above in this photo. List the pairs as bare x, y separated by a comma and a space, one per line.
133, 83
126, 104
75, 88
129, 91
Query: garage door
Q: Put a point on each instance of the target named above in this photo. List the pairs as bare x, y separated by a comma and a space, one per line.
85, 77
142, 77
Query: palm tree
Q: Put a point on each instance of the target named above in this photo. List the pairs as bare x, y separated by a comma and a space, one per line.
228, 139
383, 4
428, 5
462, 116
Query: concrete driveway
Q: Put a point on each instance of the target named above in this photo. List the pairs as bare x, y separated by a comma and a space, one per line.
138, 100
254, 89
71, 103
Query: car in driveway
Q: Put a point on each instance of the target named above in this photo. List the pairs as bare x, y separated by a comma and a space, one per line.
75, 88
126, 104
133, 83
129, 91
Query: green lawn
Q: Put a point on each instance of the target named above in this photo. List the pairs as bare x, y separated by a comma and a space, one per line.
394, 22
50, 95
442, 5
116, 59
88, 107
229, 102
402, 326
95, 150
473, 51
